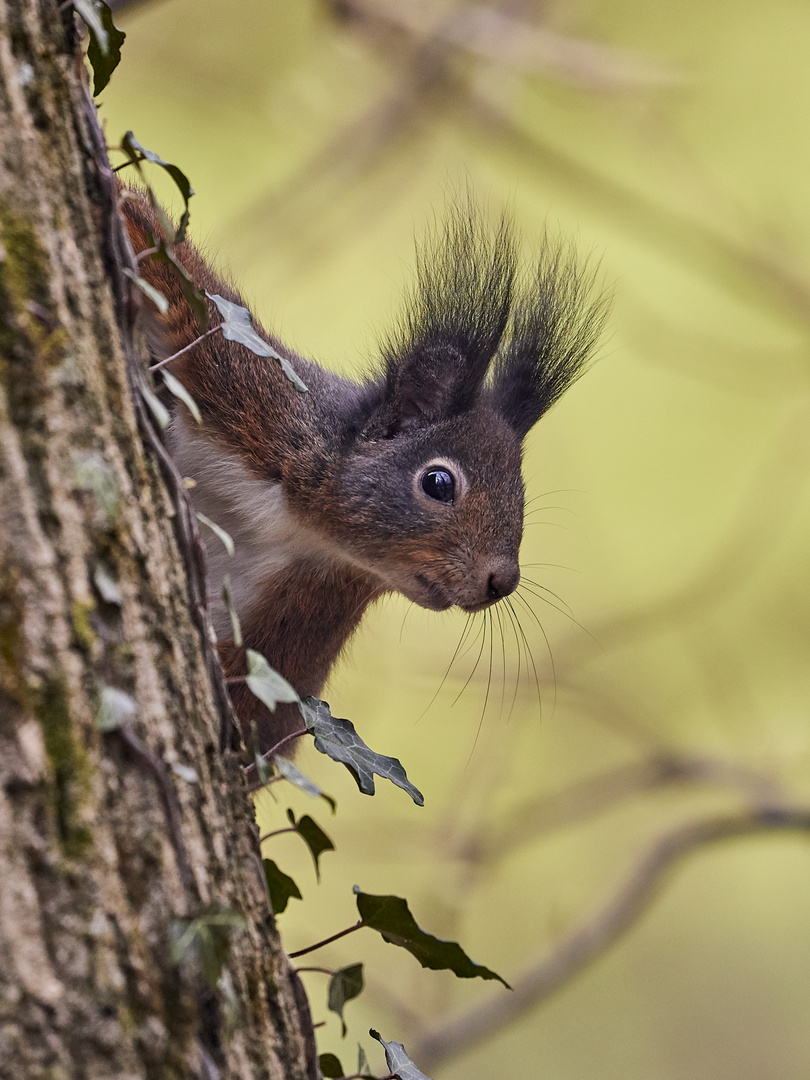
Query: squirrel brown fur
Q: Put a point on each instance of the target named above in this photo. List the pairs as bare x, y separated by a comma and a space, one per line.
409, 481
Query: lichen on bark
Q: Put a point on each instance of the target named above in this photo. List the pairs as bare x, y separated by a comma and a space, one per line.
102, 845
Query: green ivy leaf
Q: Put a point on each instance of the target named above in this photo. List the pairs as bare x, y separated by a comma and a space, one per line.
176, 388
116, 708
338, 740
225, 537
330, 1066
104, 50
155, 295
136, 153
363, 1067
389, 916
208, 935
397, 1060
236, 626
313, 836
343, 986
292, 773
266, 683
280, 886
237, 325
156, 407
194, 298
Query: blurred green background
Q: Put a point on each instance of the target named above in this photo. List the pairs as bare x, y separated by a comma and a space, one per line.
670, 490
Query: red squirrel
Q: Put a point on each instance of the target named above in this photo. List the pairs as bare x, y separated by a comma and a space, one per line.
409, 481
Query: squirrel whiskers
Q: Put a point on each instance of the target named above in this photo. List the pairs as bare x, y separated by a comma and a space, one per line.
409, 481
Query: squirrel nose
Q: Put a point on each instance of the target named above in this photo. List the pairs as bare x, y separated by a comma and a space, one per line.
503, 580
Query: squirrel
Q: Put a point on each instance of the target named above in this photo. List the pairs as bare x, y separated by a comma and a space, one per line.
408, 481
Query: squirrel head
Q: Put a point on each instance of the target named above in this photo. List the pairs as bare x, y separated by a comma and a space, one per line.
426, 492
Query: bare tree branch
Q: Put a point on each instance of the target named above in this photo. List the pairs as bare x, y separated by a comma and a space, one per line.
595, 936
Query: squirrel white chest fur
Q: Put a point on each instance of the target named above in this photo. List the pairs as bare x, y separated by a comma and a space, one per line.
268, 540
408, 481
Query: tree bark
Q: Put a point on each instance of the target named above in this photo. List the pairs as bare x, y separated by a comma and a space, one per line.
108, 839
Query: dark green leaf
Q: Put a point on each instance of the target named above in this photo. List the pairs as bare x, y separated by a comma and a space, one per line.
338, 740
266, 683
137, 152
194, 298
281, 887
330, 1066
208, 937
263, 768
389, 915
155, 295
237, 325
104, 50
343, 986
313, 836
295, 776
397, 1060
176, 388
363, 1066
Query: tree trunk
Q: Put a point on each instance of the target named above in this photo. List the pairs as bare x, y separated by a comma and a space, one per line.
122, 810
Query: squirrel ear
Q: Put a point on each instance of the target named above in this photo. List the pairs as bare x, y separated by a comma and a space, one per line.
436, 360
555, 326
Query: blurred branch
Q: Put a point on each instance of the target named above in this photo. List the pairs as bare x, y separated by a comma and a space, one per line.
587, 798
582, 947
423, 48
487, 33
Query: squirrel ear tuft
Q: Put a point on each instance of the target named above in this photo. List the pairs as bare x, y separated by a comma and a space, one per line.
556, 323
436, 360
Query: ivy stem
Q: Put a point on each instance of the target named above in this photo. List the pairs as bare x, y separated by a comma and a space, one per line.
196, 341
276, 832
282, 742
324, 971
328, 941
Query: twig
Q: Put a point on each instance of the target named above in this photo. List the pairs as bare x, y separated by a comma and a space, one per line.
327, 941
601, 930
162, 363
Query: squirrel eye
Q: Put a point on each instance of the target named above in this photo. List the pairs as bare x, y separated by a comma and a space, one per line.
439, 485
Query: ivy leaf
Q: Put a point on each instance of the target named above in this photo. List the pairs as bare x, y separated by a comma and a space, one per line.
292, 773
116, 708
104, 50
280, 886
363, 1067
208, 935
107, 587
330, 1066
266, 683
313, 836
194, 298
225, 537
389, 915
236, 626
237, 325
156, 407
155, 295
338, 740
397, 1060
137, 153
345, 984
175, 387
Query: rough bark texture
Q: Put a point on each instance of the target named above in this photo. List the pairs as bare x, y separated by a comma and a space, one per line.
103, 845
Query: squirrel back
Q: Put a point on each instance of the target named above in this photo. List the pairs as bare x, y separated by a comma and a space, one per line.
409, 481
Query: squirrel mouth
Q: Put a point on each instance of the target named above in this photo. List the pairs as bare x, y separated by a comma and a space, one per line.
436, 598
